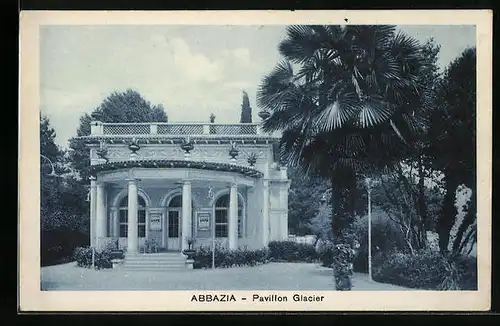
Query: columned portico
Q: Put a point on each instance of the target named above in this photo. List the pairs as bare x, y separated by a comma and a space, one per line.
132, 238
100, 214
186, 213
233, 217
93, 195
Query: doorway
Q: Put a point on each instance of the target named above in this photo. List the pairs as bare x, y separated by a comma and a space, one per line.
173, 224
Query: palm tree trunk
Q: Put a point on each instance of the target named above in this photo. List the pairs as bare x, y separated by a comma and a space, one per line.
342, 201
422, 207
334, 204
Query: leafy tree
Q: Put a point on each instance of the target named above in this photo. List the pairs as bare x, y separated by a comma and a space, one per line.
320, 224
352, 104
452, 147
51, 156
62, 208
127, 106
304, 200
246, 110
396, 196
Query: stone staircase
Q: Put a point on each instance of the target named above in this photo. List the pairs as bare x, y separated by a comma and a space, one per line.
158, 262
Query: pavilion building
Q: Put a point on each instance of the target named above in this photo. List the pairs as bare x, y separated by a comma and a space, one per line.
168, 183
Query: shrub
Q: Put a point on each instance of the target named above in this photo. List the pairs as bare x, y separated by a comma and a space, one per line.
228, 258
427, 270
467, 272
324, 249
343, 257
284, 251
83, 257
57, 246
385, 239
289, 251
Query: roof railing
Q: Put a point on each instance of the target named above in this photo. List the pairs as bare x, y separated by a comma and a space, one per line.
162, 128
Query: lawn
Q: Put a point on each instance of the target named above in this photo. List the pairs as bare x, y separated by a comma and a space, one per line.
272, 276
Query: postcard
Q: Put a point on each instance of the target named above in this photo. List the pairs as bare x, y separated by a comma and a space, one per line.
255, 160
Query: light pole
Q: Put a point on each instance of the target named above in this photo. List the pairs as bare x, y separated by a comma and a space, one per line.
369, 185
210, 196
53, 172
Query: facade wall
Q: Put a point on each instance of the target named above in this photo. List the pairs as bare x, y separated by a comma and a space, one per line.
156, 199
278, 215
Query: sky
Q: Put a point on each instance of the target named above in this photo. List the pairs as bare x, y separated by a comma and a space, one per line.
192, 71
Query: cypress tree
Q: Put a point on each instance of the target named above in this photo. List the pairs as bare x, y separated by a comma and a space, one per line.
246, 110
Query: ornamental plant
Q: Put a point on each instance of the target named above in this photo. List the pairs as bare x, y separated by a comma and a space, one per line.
343, 257
190, 241
83, 258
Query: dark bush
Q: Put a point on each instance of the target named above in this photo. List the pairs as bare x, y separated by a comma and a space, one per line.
384, 240
467, 271
83, 257
57, 246
427, 270
289, 251
285, 251
228, 258
324, 251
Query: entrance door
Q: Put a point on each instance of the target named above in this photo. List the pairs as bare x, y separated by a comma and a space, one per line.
174, 229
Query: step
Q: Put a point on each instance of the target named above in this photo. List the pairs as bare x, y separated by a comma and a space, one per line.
179, 266
152, 262
156, 262
172, 259
152, 270
155, 266
155, 257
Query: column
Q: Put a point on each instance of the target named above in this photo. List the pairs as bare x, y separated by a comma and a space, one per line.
186, 213
233, 217
93, 195
164, 229
265, 212
100, 215
284, 212
116, 223
132, 239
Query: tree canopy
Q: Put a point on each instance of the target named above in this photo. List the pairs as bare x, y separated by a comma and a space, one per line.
126, 106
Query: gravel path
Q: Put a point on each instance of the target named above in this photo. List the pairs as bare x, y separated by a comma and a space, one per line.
272, 276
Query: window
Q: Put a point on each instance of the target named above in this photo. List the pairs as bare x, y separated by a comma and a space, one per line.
173, 224
141, 217
222, 215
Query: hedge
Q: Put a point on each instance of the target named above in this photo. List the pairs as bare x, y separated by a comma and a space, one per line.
427, 270
277, 251
289, 251
228, 258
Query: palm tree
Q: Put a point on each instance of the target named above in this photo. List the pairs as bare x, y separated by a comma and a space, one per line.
348, 100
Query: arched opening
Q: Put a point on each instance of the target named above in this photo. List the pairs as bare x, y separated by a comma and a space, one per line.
222, 216
174, 209
141, 217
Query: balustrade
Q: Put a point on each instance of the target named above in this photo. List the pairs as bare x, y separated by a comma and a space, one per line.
178, 129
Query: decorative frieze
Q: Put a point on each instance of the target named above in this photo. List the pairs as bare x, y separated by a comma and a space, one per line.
200, 152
